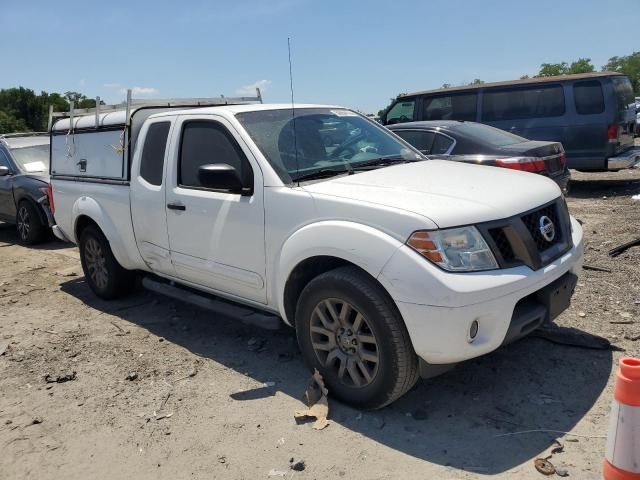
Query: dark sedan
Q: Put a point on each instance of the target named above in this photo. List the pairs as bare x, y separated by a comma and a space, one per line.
24, 181
477, 143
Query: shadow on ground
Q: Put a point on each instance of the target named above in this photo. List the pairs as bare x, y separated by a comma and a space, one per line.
604, 187
9, 237
531, 384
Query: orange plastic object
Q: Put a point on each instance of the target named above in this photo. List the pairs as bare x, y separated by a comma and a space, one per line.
627, 390
609, 472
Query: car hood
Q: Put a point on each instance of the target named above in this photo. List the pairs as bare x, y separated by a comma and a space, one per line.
42, 176
448, 193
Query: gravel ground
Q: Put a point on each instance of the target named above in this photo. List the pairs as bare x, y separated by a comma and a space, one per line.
146, 387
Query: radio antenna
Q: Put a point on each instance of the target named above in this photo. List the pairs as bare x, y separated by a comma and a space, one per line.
293, 111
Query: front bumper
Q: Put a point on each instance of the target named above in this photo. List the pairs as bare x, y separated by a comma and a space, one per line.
628, 159
439, 307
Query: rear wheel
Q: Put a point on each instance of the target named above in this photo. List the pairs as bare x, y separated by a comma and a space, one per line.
106, 278
351, 331
29, 226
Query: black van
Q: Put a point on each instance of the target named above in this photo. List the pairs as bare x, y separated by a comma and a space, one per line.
592, 114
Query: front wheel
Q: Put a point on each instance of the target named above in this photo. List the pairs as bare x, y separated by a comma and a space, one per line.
351, 331
106, 278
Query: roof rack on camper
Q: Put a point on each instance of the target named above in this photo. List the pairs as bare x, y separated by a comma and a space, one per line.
98, 142
133, 104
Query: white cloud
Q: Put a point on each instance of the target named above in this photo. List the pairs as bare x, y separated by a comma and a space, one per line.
82, 82
251, 89
111, 85
141, 91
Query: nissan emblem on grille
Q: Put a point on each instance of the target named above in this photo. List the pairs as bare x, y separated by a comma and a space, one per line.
547, 229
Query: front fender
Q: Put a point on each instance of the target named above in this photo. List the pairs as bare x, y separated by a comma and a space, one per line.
87, 206
364, 246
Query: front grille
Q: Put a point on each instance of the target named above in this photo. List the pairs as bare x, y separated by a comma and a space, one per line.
518, 240
532, 222
502, 244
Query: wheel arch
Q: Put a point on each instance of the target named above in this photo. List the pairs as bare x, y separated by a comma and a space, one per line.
87, 211
324, 246
25, 197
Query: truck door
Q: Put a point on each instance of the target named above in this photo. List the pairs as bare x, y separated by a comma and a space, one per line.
148, 187
216, 236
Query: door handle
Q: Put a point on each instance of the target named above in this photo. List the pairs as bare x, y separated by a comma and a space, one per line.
176, 206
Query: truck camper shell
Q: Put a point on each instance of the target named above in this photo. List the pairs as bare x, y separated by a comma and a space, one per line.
96, 144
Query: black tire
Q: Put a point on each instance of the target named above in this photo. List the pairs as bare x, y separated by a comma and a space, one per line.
106, 278
29, 225
395, 371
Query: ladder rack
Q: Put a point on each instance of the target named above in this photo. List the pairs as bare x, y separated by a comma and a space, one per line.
132, 104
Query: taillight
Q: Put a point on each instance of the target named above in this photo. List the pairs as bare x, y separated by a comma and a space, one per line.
50, 196
525, 164
612, 133
563, 159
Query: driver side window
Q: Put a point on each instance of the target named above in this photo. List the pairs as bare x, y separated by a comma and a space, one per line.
401, 112
209, 142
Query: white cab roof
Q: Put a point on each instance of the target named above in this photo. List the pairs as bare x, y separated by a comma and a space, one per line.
233, 109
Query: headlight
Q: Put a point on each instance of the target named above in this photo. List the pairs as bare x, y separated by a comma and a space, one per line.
455, 249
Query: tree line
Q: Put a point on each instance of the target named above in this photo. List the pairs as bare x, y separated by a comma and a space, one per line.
22, 110
627, 64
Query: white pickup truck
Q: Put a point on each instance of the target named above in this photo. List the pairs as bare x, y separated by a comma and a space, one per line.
388, 265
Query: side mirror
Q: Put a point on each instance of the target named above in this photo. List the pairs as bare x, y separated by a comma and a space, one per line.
4, 171
220, 176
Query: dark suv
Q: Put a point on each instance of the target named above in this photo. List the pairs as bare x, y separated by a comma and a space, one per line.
591, 114
24, 182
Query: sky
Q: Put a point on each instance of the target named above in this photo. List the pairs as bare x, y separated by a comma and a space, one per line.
354, 53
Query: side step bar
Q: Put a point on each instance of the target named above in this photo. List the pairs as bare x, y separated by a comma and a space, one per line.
215, 304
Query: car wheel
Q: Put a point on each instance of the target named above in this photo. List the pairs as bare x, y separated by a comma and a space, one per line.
105, 276
351, 331
29, 226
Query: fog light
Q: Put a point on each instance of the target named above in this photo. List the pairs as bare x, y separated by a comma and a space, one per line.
473, 330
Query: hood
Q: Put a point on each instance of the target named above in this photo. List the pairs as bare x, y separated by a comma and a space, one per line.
448, 193
42, 176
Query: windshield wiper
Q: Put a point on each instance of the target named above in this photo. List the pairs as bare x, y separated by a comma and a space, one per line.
382, 162
322, 173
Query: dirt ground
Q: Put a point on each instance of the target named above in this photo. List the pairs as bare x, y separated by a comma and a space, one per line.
158, 389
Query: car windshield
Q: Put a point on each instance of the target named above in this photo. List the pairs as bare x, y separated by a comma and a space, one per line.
32, 159
488, 135
323, 140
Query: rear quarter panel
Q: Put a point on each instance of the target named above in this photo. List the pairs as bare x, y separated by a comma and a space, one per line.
108, 206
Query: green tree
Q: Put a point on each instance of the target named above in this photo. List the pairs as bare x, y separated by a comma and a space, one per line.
629, 65
525, 77
582, 65
477, 81
9, 123
553, 69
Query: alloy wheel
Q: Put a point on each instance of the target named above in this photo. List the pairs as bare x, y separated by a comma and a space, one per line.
24, 225
344, 343
96, 263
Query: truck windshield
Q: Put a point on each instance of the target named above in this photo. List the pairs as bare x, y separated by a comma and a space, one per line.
32, 159
323, 140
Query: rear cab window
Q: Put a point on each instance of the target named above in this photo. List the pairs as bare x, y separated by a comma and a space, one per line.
402, 111
155, 144
462, 106
528, 102
588, 96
